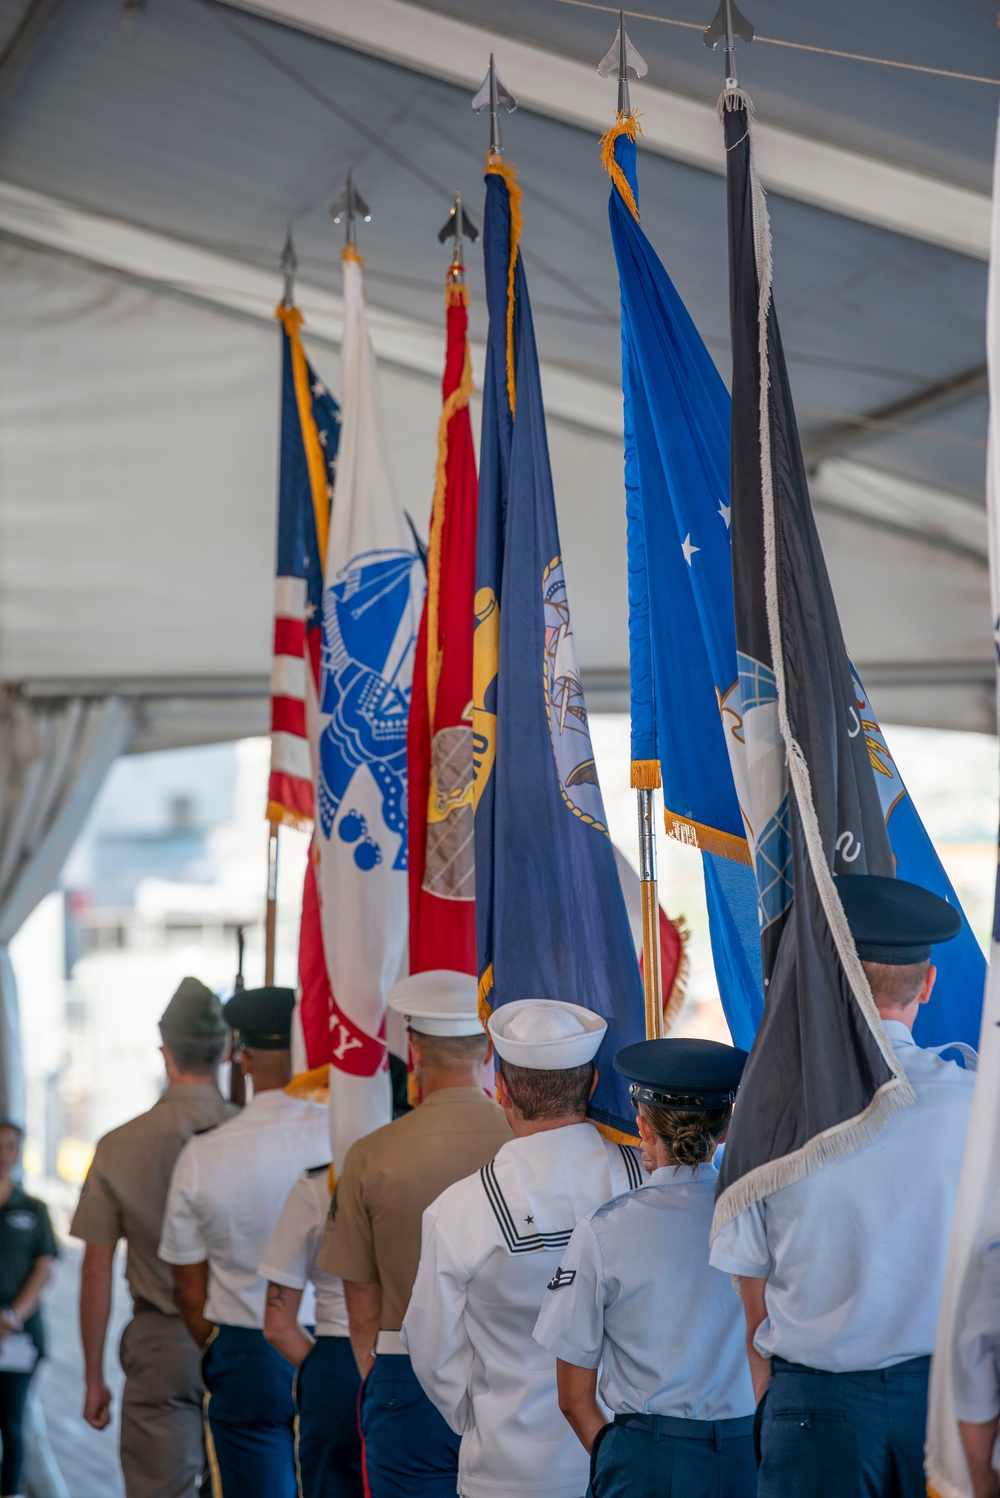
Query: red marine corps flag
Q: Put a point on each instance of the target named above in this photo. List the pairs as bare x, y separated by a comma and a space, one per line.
439, 746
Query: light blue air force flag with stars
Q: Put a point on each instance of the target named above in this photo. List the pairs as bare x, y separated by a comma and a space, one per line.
684, 700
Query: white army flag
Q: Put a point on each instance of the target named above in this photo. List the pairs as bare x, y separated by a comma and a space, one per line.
975, 1236
372, 597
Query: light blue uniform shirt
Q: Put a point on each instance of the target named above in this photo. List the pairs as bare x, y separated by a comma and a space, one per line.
635, 1294
854, 1254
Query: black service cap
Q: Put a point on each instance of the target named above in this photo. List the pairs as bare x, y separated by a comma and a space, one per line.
893, 921
691, 1074
263, 1017
194, 1013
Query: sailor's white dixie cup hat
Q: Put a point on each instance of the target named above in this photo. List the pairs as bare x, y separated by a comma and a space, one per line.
441, 1002
546, 1034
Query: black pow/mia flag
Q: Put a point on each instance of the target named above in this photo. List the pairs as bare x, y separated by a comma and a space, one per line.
822, 1076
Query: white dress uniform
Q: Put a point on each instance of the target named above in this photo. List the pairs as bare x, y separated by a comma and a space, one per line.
226, 1195
290, 1256
490, 1245
635, 1296
854, 1254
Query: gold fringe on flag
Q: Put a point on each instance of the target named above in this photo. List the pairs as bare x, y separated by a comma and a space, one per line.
644, 775
311, 1086
674, 1002
627, 124
616, 1135
708, 839
351, 252
499, 168
454, 293
284, 816
291, 320
485, 989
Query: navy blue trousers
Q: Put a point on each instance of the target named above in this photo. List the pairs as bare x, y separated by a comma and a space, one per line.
328, 1442
844, 1435
655, 1456
249, 1415
410, 1450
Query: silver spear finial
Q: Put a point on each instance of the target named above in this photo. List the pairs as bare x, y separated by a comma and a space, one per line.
621, 60
350, 206
457, 226
727, 25
289, 265
493, 95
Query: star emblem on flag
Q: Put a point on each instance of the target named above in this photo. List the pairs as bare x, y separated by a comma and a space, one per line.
688, 549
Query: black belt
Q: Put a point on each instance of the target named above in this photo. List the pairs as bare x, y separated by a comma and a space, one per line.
908, 1368
670, 1427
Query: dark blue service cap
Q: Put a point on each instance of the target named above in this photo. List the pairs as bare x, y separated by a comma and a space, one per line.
262, 1017
693, 1074
893, 921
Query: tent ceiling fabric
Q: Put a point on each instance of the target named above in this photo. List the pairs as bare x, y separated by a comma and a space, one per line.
138, 428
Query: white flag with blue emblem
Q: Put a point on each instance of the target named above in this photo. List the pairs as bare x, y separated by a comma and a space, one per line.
964, 1415
372, 597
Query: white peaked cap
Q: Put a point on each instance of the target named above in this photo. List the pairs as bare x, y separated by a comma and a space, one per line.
441, 1002
546, 1034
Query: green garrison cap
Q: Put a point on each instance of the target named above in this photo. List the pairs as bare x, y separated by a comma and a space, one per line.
262, 1017
194, 1013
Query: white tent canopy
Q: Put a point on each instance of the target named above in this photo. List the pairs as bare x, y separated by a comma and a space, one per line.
146, 177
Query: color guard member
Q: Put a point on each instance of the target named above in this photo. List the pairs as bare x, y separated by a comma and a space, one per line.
636, 1298
226, 1194
327, 1441
491, 1244
161, 1439
373, 1238
842, 1271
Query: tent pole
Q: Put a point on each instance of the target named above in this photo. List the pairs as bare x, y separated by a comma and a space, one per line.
271, 916
650, 916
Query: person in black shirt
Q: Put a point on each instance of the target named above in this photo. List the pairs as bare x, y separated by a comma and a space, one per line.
27, 1248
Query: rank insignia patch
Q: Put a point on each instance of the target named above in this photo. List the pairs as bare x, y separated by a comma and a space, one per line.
561, 1278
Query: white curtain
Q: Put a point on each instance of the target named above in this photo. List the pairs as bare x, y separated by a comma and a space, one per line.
54, 755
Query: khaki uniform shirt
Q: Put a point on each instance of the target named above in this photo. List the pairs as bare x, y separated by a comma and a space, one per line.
125, 1192
391, 1176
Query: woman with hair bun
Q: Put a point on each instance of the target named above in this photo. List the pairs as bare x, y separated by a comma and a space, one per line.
636, 1299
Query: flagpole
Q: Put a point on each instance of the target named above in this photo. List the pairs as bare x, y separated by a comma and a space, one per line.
619, 62
650, 915
289, 265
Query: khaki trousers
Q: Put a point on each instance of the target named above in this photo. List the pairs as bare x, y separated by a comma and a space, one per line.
162, 1439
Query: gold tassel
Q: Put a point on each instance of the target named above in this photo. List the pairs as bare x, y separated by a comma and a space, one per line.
644, 775
351, 252
708, 839
499, 168
627, 124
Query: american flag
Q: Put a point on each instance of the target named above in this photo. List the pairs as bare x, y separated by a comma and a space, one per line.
310, 433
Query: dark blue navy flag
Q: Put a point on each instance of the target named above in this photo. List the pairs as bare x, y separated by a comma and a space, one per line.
681, 642
685, 705
550, 915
